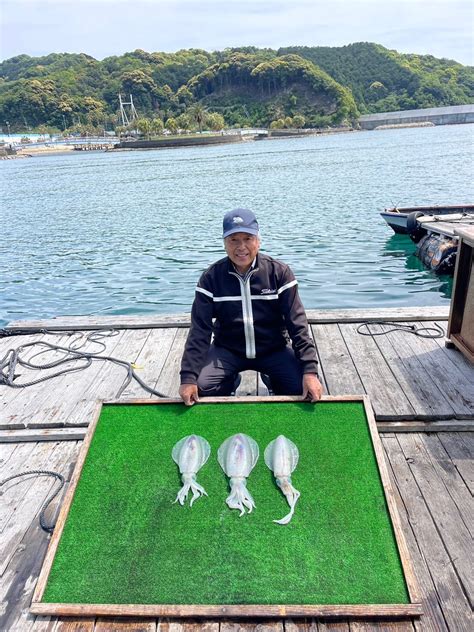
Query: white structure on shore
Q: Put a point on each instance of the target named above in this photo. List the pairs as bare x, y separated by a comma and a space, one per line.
439, 116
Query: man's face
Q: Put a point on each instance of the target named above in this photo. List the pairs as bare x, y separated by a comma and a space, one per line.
242, 248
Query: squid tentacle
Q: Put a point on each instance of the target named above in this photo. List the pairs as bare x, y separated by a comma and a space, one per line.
240, 496
291, 495
190, 483
198, 490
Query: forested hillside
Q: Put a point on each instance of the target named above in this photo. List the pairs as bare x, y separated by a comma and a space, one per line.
383, 80
299, 86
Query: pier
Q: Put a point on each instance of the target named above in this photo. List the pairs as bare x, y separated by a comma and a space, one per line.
422, 394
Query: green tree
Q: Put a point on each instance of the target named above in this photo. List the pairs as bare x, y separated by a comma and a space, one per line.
298, 121
144, 126
171, 125
183, 95
198, 115
157, 126
184, 121
278, 124
215, 121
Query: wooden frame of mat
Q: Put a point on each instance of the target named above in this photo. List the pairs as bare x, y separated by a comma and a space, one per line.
412, 609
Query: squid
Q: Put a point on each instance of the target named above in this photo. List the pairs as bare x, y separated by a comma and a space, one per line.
190, 454
281, 456
237, 456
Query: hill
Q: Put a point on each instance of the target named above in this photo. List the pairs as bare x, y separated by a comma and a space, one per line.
246, 86
383, 80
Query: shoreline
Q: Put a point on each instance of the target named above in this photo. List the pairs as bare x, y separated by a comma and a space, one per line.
44, 151
31, 152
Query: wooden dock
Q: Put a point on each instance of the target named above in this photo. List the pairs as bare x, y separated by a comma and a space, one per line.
423, 398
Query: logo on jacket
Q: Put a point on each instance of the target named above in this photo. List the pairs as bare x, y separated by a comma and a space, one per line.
267, 291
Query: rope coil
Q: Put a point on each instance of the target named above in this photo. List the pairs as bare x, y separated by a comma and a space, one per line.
423, 332
49, 528
13, 359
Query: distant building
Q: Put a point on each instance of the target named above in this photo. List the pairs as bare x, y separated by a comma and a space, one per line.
439, 116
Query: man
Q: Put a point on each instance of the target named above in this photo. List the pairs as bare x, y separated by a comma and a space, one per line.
254, 301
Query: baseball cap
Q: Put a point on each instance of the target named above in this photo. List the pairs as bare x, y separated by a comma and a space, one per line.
240, 220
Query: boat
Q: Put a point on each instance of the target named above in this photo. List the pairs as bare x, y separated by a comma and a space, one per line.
398, 218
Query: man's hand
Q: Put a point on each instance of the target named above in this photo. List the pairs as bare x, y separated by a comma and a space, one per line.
312, 387
189, 393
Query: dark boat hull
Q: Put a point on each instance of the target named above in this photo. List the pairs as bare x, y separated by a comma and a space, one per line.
396, 218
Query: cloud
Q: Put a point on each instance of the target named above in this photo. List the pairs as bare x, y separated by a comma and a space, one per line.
112, 27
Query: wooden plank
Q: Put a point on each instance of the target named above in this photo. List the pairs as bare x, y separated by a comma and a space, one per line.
55, 457
458, 390
183, 319
9, 396
33, 454
170, 625
6, 453
75, 624
84, 323
44, 624
28, 408
28, 548
454, 355
13, 342
201, 626
454, 484
151, 360
16, 586
461, 452
386, 395
231, 610
135, 342
81, 409
425, 396
42, 434
446, 425
105, 385
71, 389
337, 365
457, 541
112, 376
381, 626
250, 399
315, 626
125, 625
332, 626
242, 626
168, 381
443, 599
322, 376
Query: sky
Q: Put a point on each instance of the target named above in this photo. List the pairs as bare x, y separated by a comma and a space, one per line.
100, 28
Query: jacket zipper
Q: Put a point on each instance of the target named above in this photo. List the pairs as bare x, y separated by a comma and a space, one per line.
247, 312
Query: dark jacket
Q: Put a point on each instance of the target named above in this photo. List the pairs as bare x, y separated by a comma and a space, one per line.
252, 315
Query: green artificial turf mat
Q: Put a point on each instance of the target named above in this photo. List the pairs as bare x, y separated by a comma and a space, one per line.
125, 542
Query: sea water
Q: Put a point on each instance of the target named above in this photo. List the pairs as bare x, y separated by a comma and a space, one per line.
130, 232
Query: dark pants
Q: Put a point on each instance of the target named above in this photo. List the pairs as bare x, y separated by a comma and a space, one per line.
218, 375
